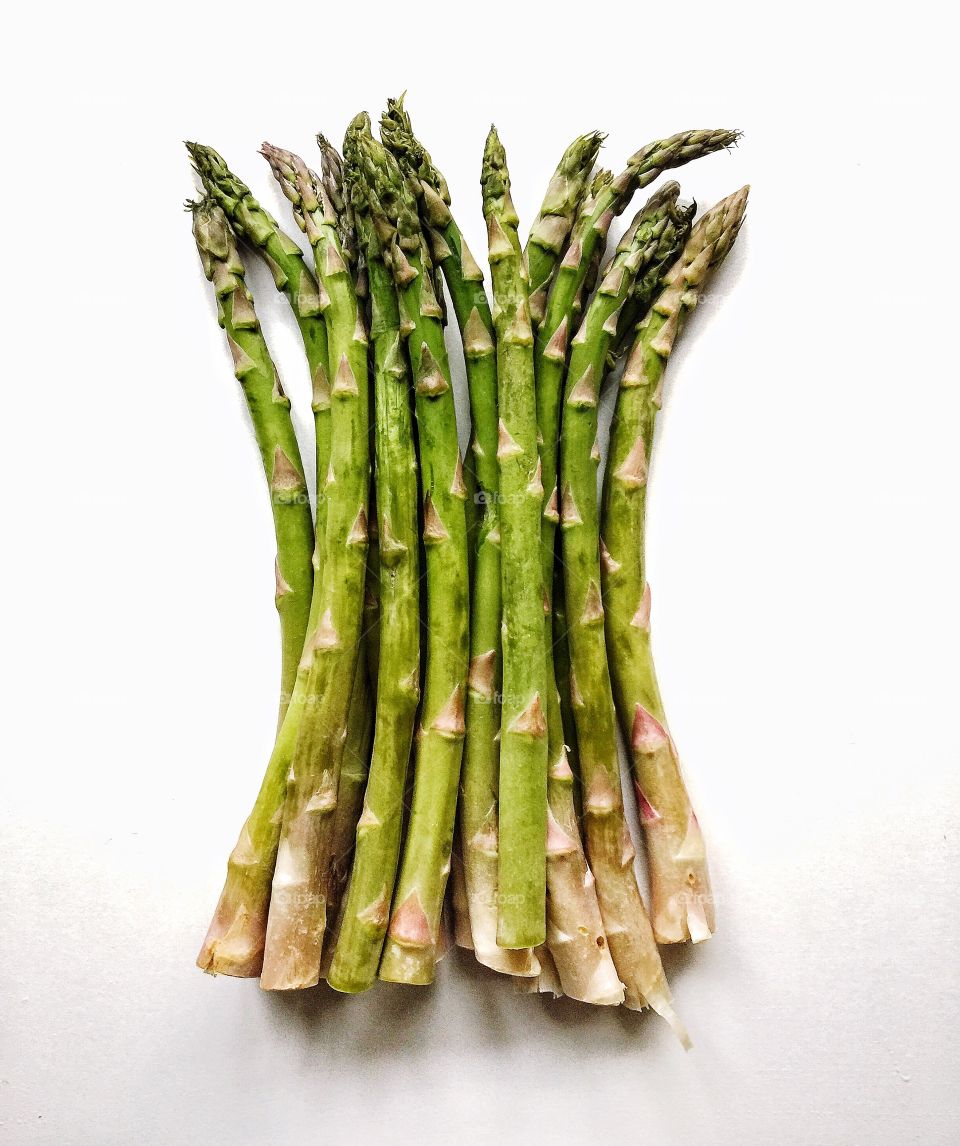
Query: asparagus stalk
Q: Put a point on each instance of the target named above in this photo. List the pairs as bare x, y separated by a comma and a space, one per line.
273, 428
681, 899
364, 919
334, 183
290, 273
302, 882
411, 947
551, 228
608, 199
464, 278
235, 938
354, 770
478, 822
609, 845
523, 727
577, 938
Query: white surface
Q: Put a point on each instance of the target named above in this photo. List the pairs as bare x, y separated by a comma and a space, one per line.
803, 557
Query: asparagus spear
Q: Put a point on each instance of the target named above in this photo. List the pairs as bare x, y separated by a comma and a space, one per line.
609, 844
681, 900
302, 881
411, 946
354, 771
523, 726
464, 279
273, 428
608, 199
290, 273
364, 919
551, 228
577, 935
235, 938
480, 771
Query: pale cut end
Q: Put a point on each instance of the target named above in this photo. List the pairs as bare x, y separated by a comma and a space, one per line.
548, 982
682, 903
294, 943
235, 940
521, 963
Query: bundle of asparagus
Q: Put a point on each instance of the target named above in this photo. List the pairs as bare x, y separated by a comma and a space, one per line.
465, 719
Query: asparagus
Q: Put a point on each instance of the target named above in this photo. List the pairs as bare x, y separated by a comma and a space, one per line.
608, 199
523, 727
354, 770
551, 228
577, 938
290, 273
302, 882
609, 845
411, 947
334, 183
364, 919
273, 428
235, 938
480, 770
681, 900
464, 279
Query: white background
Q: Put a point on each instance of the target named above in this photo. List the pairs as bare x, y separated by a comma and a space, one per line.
803, 557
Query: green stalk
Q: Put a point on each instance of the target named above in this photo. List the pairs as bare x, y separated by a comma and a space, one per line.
681, 899
578, 942
609, 845
523, 727
354, 773
464, 279
410, 951
363, 922
608, 198
479, 777
273, 428
334, 183
551, 228
302, 882
290, 273
235, 939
